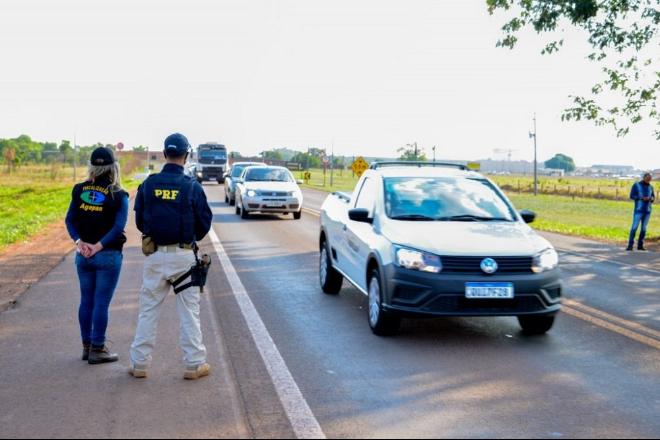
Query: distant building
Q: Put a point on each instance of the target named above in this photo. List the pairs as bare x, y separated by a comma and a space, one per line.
611, 170
656, 174
490, 166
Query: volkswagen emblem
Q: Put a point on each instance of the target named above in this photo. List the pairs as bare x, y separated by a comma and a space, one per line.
489, 266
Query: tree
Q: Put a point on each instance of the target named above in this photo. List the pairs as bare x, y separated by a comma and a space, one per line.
561, 162
411, 153
623, 37
140, 149
272, 155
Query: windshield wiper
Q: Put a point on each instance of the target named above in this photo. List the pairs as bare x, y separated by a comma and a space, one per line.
414, 217
472, 218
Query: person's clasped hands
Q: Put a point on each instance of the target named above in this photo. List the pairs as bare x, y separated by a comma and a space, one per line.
88, 250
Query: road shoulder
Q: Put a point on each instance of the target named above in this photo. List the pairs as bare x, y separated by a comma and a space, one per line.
48, 392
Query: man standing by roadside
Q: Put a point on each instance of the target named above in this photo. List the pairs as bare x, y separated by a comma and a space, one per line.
172, 213
644, 196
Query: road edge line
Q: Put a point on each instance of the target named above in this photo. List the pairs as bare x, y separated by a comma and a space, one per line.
297, 409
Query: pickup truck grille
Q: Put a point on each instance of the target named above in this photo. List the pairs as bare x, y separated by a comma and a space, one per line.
273, 194
507, 265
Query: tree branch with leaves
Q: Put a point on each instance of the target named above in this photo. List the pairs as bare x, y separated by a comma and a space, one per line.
624, 40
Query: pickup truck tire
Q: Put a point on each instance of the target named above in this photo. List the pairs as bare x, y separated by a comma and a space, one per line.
226, 198
381, 322
297, 215
330, 279
536, 325
220, 180
232, 202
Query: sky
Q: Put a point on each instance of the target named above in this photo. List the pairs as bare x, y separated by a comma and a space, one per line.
367, 76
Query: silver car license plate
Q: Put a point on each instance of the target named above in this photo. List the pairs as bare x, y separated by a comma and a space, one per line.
489, 291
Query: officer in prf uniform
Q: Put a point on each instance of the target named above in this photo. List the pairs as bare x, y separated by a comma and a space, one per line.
172, 213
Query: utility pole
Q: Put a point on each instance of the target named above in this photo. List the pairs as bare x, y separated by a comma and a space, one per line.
416, 155
434, 147
536, 163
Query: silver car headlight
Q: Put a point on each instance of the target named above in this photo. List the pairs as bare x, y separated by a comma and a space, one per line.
545, 261
251, 193
417, 260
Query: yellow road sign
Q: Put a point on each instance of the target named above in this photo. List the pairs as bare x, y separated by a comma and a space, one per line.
474, 166
359, 166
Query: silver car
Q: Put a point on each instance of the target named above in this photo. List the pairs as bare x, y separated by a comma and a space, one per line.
268, 190
231, 178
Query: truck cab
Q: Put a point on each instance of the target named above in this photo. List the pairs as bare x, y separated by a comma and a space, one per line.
211, 162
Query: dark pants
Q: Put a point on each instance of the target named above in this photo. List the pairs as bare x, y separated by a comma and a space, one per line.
641, 219
98, 276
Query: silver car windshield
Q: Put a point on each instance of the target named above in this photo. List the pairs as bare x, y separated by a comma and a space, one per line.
445, 199
237, 171
267, 175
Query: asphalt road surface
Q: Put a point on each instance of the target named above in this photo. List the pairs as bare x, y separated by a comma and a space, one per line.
597, 374
290, 361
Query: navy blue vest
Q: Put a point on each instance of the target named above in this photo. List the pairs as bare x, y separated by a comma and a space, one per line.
168, 209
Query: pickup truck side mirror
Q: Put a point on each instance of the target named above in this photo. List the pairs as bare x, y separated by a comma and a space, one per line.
360, 215
300, 182
528, 216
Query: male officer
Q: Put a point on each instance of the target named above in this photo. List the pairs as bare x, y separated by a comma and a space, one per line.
172, 212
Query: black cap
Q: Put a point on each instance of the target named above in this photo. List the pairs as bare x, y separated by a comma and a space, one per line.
176, 145
102, 156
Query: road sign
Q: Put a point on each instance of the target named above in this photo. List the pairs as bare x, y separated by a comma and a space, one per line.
120, 146
474, 166
359, 166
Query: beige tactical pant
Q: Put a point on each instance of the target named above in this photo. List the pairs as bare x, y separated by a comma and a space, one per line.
168, 264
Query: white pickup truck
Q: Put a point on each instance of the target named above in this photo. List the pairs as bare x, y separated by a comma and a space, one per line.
429, 240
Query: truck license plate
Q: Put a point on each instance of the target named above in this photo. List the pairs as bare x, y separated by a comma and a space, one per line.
489, 291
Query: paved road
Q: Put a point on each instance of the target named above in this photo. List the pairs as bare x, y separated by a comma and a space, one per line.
596, 375
291, 361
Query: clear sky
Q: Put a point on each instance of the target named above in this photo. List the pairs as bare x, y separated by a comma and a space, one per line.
372, 75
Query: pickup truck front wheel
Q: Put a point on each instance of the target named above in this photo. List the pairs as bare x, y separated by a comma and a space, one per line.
381, 322
331, 280
536, 325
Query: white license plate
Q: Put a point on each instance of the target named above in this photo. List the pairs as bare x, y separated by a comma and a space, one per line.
489, 291
275, 205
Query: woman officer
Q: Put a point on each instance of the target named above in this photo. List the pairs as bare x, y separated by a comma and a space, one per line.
96, 220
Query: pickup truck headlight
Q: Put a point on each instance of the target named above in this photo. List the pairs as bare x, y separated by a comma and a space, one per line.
252, 193
545, 261
417, 260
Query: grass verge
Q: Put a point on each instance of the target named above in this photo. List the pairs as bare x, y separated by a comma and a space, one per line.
27, 208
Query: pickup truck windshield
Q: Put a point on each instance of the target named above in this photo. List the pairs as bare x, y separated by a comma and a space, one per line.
267, 175
445, 199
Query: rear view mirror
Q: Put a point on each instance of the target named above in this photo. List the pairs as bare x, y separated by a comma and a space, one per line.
360, 215
528, 216
299, 182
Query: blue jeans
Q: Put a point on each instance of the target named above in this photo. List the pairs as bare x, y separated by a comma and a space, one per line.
98, 276
641, 218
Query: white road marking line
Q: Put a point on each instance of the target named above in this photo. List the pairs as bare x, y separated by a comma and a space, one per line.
298, 411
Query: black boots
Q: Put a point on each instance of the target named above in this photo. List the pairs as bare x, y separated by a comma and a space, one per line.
101, 355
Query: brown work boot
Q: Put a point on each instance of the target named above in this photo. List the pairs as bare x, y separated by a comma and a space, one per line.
85, 352
101, 355
138, 371
194, 372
